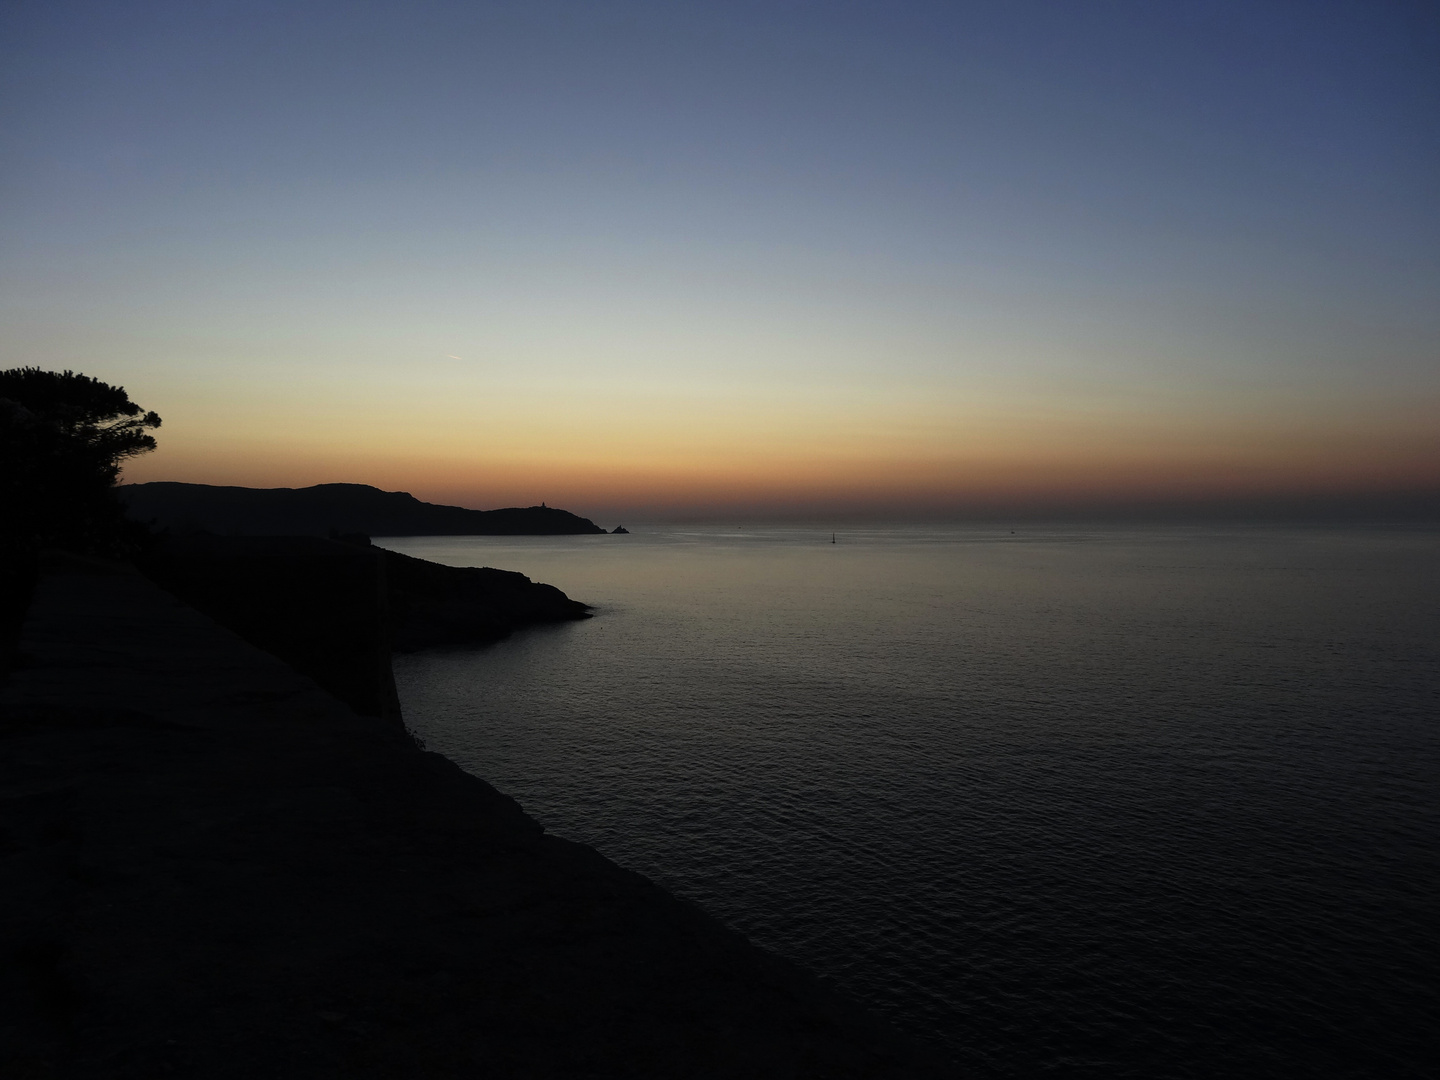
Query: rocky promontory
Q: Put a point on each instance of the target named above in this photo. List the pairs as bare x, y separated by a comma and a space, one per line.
335, 609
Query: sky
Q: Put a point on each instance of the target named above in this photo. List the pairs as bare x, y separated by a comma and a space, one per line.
910, 260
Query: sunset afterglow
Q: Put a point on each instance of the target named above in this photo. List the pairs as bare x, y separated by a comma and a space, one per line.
693, 261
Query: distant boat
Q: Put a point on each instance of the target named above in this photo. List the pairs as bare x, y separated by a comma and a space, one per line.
832, 538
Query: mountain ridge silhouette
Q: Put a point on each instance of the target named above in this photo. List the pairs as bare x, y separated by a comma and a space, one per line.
332, 509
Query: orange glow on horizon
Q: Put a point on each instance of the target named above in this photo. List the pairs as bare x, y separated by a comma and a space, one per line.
759, 484
890, 454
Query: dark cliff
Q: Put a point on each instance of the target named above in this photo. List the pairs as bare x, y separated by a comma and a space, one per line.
214, 869
335, 610
328, 509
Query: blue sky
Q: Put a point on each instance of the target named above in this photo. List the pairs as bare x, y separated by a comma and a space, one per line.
647, 257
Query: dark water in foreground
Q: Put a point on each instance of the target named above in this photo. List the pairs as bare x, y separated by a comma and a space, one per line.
1124, 803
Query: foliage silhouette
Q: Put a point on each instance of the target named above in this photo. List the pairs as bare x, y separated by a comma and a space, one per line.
64, 438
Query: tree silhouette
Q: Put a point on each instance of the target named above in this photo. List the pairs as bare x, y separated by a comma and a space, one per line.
63, 441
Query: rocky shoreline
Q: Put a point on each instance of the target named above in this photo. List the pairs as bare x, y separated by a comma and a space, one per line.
220, 870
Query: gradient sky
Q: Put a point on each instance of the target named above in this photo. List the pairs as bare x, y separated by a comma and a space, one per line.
729, 258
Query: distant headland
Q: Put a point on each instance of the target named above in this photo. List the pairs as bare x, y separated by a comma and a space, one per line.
331, 509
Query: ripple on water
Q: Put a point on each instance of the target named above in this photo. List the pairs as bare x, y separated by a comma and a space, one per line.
1144, 803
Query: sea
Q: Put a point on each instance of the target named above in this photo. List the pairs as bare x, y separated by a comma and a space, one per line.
1061, 801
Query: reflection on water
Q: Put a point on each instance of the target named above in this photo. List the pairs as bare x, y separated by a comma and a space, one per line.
1125, 802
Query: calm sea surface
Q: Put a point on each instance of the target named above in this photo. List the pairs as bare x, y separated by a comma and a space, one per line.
1099, 803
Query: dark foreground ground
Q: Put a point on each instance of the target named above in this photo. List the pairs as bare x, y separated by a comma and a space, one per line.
213, 868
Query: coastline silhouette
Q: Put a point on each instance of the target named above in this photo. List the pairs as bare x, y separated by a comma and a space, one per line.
294, 885
330, 509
